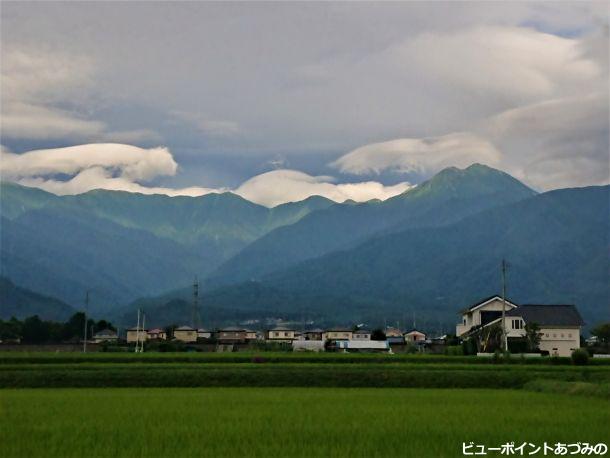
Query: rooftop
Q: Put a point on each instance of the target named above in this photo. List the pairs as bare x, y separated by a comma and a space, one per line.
548, 314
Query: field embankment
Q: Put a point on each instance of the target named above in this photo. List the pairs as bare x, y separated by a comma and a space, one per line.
282, 370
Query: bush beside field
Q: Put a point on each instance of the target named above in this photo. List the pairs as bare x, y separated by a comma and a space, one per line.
287, 375
268, 357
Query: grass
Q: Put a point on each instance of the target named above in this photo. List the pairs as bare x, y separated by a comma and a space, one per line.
599, 390
271, 357
289, 374
289, 422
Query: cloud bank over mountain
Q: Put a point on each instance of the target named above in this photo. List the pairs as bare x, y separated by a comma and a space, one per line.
120, 167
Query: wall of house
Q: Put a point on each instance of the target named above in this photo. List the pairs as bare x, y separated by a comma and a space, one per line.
338, 335
560, 341
471, 319
131, 336
361, 336
279, 335
186, 336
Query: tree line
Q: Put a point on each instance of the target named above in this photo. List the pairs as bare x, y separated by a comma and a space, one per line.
33, 330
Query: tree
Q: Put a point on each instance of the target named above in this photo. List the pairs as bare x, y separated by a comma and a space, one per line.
10, 330
602, 332
35, 330
378, 334
533, 335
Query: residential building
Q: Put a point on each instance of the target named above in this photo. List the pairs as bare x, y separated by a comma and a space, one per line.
560, 325
393, 332
361, 334
281, 334
232, 335
482, 313
314, 334
185, 334
157, 334
338, 334
133, 334
204, 333
414, 336
106, 335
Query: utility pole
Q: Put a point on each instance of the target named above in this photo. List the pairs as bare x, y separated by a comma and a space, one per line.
504, 337
86, 309
195, 317
137, 332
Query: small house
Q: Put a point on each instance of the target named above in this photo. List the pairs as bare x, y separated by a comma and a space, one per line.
185, 334
313, 334
156, 334
134, 334
338, 334
281, 334
204, 333
232, 335
415, 336
106, 335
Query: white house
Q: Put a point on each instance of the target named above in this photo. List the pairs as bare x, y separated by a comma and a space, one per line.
481, 313
560, 325
414, 336
338, 334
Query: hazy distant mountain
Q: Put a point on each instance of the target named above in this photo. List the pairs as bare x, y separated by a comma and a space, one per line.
124, 245
21, 303
449, 196
556, 243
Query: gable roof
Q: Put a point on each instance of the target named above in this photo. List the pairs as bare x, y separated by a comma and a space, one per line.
414, 330
156, 331
548, 315
481, 303
184, 328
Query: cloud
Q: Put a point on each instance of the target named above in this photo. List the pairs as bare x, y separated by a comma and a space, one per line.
207, 126
128, 168
515, 63
94, 166
48, 95
421, 155
279, 186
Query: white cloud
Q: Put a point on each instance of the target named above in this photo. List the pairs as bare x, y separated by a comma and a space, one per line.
48, 95
128, 168
514, 63
421, 155
279, 186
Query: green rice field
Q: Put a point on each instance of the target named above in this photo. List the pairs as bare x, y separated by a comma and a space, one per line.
288, 422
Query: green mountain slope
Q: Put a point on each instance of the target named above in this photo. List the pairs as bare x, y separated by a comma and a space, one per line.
21, 303
449, 196
124, 245
556, 243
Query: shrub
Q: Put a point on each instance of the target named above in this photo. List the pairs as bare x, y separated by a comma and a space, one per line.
580, 357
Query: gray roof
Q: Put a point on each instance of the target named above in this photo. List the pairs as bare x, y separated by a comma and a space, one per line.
318, 330
184, 328
362, 331
548, 315
233, 329
281, 328
105, 332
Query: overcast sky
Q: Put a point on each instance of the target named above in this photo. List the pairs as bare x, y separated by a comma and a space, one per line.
278, 101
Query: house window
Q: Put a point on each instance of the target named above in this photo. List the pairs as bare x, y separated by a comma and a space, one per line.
276, 334
517, 324
464, 321
569, 335
285, 334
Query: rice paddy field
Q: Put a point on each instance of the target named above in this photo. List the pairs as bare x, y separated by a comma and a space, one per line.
58, 405
289, 422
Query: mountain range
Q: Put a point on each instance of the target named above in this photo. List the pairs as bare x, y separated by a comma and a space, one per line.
429, 251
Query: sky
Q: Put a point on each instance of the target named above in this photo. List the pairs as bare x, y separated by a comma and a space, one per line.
280, 101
